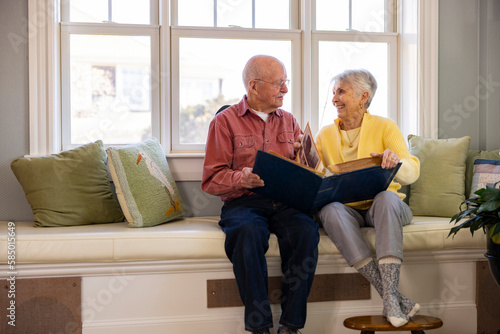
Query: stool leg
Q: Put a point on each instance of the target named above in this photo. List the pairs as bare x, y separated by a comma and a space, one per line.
367, 332
419, 331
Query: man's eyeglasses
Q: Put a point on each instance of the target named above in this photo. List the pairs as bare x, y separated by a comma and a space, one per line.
279, 85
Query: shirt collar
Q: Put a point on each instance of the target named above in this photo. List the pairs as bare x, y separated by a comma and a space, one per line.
246, 108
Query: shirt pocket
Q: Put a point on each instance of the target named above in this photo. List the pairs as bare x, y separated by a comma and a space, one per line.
243, 142
244, 151
286, 137
285, 141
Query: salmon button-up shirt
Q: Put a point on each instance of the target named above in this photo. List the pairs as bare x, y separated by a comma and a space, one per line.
234, 137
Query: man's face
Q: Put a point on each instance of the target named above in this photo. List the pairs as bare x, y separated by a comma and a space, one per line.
272, 88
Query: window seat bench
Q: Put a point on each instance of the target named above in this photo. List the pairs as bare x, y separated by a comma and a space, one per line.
160, 279
189, 238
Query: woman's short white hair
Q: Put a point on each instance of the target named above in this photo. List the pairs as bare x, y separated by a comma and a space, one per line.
361, 80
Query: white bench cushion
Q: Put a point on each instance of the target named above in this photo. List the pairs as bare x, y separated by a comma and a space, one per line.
188, 238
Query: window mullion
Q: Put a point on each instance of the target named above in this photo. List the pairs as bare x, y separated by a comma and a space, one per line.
65, 88
350, 14
215, 13
154, 14
167, 17
107, 28
352, 36
309, 83
110, 10
172, 14
253, 13
390, 16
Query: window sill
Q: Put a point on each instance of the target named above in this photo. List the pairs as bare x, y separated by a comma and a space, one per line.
186, 166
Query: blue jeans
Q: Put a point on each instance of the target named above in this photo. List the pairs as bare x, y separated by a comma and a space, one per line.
248, 222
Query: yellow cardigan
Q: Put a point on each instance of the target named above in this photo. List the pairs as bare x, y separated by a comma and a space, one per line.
376, 135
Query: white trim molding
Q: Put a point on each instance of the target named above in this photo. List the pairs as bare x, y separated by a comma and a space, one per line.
428, 61
418, 25
44, 77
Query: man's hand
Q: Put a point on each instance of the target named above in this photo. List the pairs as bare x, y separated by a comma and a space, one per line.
298, 144
249, 179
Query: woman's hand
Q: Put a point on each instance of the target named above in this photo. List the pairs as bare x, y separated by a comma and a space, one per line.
249, 179
389, 158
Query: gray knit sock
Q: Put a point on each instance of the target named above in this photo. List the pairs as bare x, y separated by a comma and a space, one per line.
389, 273
371, 272
408, 306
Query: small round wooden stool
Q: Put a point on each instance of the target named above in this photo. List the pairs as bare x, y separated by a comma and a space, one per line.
369, 324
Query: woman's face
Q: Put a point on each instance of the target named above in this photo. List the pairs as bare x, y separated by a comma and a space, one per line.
346, 100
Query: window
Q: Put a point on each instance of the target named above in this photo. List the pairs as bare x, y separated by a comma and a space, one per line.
234, 13
209, 80
361, 37
109, 50
96, 71
116, 11
358, 15
209, 49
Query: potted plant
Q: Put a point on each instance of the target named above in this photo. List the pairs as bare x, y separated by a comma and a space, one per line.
483, 212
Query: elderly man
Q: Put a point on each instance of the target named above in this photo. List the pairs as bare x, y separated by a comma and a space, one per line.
248, 219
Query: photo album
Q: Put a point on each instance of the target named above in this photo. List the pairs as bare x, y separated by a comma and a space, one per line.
306, 185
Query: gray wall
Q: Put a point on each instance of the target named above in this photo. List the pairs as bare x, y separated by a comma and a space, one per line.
14, 116
469, 57
469, 71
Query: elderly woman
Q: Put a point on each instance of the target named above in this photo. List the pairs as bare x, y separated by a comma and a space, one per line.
358, 134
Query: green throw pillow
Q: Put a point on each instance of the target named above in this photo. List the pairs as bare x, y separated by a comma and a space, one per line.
440, 189
69, 188
144, 184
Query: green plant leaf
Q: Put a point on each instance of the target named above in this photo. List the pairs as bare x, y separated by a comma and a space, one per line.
480, 191
491, 205
461, 215
479, 212
469, 223
490, 194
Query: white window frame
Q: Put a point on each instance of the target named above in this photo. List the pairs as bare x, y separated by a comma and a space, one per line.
294, 36
418, 76
391, 39
68, 29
